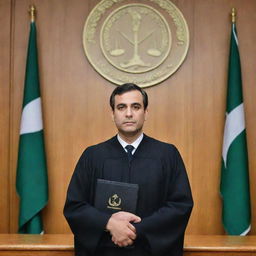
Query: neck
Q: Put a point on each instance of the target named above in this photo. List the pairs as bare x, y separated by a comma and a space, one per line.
130, 138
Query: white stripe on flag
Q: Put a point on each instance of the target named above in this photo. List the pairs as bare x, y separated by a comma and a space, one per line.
233, 127
246, 231
31, 119
234, 34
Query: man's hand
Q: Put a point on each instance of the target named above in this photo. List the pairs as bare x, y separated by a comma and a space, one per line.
120, 227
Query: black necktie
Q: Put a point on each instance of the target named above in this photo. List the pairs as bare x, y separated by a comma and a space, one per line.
129, 149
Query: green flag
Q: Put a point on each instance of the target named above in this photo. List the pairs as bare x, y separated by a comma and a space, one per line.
31, 179
234, 187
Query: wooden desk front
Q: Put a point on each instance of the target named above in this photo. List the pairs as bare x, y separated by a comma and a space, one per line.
62, 245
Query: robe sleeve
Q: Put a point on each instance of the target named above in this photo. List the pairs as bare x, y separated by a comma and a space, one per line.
165, 228
86, 222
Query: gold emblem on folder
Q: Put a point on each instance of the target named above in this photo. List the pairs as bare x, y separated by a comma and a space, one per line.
114, 202
142, 42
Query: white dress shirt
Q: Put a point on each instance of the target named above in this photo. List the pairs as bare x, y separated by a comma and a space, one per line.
135, 144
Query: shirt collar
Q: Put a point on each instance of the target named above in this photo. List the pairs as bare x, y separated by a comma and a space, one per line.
135, 144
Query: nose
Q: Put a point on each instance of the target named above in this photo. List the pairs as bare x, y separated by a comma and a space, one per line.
128, 112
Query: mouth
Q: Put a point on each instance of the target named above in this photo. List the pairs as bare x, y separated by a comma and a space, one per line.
129, 122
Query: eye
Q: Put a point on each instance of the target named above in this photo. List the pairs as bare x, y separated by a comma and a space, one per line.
136, 106
120, 107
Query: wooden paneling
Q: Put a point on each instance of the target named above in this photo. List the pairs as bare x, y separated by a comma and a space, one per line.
20, 31
188, 109
247, 45
5, 36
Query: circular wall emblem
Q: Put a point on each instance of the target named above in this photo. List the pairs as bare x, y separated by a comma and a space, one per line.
143, 42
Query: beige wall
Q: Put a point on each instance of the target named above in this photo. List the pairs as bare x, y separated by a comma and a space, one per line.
187, 109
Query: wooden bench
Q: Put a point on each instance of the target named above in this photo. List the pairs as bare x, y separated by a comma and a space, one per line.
62, 245
220, 245
36, 245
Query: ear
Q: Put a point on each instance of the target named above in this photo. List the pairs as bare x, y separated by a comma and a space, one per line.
146, 114
111, 112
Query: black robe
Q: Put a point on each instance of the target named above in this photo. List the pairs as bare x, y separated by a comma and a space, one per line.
164, 201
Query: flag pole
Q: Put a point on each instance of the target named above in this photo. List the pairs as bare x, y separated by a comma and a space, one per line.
32, 13
31, 178
233, 15
235, 184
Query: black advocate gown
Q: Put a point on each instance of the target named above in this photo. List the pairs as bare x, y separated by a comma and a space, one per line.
164, 201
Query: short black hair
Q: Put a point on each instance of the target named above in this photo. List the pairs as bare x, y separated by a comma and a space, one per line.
127, 87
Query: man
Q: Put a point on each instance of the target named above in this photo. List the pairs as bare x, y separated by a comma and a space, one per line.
164, 198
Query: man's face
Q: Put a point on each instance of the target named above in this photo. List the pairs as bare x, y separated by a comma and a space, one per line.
129, 113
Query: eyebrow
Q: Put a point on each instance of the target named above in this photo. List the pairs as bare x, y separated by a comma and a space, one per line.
133, 104
121, 104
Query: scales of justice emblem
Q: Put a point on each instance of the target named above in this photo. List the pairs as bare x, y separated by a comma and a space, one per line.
145, 38
142, 43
